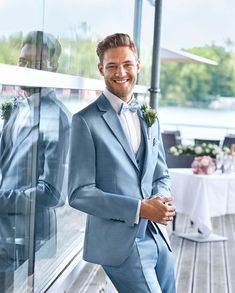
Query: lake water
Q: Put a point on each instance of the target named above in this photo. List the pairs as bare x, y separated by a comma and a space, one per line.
192, 122
201, 123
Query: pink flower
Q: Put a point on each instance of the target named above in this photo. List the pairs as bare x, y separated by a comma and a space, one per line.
203, 165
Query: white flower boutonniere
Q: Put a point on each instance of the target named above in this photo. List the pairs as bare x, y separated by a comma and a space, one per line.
150, 116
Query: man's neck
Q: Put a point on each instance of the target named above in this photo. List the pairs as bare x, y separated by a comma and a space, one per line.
123, 99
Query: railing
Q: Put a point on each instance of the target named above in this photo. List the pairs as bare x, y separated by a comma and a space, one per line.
15, 75
191, 131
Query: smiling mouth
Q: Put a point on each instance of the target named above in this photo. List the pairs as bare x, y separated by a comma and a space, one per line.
121, 81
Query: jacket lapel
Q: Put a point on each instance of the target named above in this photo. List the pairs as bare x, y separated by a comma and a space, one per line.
147, 141
112, 120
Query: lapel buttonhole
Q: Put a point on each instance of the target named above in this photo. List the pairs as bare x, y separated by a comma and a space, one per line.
154, 141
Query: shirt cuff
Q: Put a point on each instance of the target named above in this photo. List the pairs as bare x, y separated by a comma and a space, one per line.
137, 215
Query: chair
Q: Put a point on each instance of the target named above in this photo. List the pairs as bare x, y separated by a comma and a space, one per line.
212, 141
177, 134
170, 138
228, 140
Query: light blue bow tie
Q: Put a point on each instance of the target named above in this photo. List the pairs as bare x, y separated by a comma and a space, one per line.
133, 106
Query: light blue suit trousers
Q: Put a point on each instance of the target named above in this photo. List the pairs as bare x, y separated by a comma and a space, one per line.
148, 269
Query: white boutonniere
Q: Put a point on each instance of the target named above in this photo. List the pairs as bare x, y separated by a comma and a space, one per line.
150, 116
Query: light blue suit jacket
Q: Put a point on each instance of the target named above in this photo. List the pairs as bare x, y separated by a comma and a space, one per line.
106, 183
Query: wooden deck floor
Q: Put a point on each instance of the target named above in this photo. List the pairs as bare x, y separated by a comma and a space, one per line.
205, 267
199, 267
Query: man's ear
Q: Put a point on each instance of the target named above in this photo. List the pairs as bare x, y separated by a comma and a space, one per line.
100, 67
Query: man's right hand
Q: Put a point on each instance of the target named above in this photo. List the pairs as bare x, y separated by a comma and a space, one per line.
158, 209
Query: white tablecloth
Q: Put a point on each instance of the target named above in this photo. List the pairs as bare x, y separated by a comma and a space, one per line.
203, 196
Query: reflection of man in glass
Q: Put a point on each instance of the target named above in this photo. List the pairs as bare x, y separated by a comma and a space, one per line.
33, 152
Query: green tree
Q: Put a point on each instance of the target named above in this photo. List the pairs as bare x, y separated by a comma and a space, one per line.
222, 77
78, 57
9, 48
196, 82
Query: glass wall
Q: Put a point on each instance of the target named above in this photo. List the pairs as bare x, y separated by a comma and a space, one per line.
16, 202
39, 232
77, 25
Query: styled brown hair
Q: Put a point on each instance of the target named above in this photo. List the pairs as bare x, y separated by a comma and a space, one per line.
115, 41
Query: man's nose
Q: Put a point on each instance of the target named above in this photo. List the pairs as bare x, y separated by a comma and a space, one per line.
120, 71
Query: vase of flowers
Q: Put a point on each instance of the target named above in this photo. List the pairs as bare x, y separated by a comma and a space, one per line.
203, 165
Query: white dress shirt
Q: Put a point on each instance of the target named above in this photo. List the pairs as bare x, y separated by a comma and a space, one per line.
131, 126
129, 120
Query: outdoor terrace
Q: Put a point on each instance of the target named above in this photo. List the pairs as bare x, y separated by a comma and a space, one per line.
207, 267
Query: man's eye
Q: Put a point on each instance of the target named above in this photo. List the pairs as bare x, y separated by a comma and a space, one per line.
111, 67
129, 65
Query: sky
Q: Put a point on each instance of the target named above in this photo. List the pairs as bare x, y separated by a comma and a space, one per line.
188, 23
185, 23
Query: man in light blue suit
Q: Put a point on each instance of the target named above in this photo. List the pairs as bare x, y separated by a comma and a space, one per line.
118, 176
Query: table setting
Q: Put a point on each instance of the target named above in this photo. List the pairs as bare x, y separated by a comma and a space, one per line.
205, 190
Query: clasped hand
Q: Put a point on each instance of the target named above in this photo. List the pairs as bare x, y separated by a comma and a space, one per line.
158, 209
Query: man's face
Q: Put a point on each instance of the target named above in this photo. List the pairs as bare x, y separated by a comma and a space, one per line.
119, 68
28, 58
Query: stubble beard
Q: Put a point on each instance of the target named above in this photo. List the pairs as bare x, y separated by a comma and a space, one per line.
122, 93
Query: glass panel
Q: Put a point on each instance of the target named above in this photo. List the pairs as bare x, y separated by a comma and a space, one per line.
18, 171
39, 232
78, 33
58, 227
34, 148
82, 27
34, 173
17, 18
65, 225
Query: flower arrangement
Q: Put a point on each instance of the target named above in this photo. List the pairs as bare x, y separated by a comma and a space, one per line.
204, 149
203, 165
180, 149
